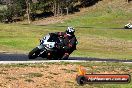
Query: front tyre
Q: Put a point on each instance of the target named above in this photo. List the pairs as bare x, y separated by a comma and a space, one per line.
34, 53
126, 27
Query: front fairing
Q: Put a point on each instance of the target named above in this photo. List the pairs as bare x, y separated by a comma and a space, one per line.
40, 46
44, 39
128, 25
42, 42
45, 44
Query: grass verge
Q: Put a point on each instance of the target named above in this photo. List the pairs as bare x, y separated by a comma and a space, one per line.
29, 74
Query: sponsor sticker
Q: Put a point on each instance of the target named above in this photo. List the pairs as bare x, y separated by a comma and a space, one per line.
108, 78
83, 78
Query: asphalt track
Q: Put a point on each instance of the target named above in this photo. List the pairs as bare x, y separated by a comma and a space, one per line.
23, 58
90, 27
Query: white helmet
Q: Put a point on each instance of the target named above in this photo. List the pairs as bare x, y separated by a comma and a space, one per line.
70, 30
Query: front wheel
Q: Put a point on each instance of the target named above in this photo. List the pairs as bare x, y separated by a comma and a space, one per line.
126, 27
34, 53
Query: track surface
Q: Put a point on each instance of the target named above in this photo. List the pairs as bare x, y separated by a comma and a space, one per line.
22, 58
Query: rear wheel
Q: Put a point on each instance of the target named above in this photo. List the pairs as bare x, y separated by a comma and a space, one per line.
34, 53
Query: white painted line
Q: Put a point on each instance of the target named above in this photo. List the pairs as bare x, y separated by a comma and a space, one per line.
49, 61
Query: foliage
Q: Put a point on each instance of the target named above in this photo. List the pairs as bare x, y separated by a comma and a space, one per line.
16, 8
42, 8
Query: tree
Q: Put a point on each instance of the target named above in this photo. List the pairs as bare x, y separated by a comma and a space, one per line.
28, 10
36, 8
15, 9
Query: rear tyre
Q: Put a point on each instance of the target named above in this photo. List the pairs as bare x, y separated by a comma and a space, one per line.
34, 53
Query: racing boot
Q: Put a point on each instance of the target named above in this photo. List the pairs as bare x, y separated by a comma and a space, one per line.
65, 56
49, 56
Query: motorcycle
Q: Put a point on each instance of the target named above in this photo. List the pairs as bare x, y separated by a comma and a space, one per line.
48, 48
128, 26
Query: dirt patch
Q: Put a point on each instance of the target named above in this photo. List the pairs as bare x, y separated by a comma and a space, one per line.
48, 76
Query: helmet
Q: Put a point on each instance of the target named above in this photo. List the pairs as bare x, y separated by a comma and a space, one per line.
70, 30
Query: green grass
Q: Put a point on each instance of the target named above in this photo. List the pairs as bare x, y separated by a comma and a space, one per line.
21, 37
23, 65
102, 34
105, 43
99, 20
99, 43
109, 14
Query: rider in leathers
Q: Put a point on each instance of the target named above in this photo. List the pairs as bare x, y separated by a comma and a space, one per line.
69, 41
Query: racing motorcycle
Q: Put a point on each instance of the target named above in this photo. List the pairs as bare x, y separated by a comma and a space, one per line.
128, 26
48, 48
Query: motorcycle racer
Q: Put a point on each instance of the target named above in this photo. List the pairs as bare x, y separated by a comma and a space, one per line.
128, 26
68, 43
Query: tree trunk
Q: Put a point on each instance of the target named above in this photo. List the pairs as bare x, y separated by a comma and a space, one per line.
55, 7
67, 10
61, 8
61, 12
29, 21
58, 9
28, 11
53, 10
